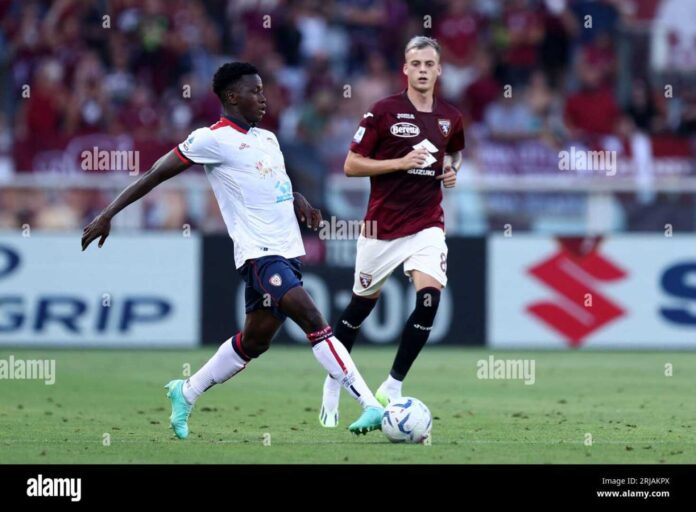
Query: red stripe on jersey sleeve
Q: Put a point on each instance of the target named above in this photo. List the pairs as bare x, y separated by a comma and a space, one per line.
183, 157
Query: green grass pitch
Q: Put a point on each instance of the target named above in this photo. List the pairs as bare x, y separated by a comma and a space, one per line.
633, 411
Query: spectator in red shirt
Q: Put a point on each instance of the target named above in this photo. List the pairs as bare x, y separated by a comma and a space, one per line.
457, 34
41, 117
592, 110
600, 55
483, 91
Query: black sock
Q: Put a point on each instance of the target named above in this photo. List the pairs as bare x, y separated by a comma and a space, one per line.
416, 331
348, 325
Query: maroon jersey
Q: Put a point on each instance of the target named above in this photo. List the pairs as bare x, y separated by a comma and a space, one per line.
405, 202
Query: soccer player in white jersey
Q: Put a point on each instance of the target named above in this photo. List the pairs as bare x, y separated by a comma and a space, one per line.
246, 170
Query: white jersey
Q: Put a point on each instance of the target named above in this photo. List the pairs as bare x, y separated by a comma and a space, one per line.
246, 170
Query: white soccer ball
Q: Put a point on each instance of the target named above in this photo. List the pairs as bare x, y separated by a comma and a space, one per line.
407, 420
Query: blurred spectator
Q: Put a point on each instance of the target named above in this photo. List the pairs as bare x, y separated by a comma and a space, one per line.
560, 26
119, 81
313, 27
457, 33
374, 85
40, 120
595, 17
88, 110
547, 108
140, 116
288, 36
363, 21
484, 90
511, 119
315, 117
593, 109
641, 108
319, 76
599, 54
687, 120
166, 209
521, 34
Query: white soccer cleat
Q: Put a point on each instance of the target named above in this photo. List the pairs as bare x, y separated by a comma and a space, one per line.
328, 416
328, 419
385, 394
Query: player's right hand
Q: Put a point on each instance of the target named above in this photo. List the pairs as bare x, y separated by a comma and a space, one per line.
414, 160
306, 212
98, 228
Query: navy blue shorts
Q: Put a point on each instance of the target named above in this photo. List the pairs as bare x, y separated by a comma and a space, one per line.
267, 280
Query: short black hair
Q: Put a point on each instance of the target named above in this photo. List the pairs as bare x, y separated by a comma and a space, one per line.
229, 74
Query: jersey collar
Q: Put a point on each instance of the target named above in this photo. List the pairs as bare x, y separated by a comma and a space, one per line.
236, 123
404, 94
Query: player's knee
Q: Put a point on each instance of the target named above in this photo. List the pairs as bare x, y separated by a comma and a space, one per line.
427, 302
313, 320
255, 345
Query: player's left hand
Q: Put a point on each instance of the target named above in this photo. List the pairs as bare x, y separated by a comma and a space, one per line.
306, 213
449, 177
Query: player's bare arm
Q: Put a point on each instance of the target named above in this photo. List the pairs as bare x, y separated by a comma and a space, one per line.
166, 167
357, 165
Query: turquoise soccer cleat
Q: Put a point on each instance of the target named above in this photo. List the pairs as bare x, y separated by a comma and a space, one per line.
181, 409
370, 419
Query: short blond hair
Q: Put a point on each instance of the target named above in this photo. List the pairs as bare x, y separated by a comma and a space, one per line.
420, 42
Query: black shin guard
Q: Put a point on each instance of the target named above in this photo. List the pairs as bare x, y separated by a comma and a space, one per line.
348, 325
416, 331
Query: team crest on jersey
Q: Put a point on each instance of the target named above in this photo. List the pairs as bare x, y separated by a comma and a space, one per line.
365, 279
275, 280
404, 130
264, 168
444, 125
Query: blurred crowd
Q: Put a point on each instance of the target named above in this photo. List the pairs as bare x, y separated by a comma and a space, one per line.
141, 69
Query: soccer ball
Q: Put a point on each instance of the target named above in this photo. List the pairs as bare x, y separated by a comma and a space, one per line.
407, 420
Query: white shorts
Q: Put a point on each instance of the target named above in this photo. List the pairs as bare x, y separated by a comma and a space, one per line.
425, 251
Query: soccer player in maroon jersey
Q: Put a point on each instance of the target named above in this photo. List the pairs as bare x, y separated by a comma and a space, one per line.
409, 144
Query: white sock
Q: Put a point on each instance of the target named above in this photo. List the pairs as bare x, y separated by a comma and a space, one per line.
335, 358
221, 367
392, 386
332, 393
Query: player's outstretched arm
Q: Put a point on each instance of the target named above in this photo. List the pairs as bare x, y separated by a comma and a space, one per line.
357, 165
166, 167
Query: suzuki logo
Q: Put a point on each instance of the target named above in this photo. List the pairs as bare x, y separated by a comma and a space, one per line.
574, 275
